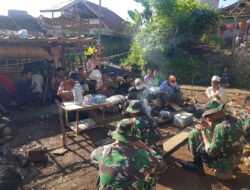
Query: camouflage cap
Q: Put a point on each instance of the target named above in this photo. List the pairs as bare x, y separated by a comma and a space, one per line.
126, 131
135, 106
213, 107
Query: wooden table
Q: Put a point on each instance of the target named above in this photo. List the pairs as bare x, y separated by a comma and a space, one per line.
71, 107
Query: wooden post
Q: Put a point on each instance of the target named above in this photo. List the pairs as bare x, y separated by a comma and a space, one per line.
77, 123
53, 23
63, 137
99, 32
67, 118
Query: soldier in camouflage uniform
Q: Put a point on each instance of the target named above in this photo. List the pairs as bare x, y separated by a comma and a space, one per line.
246, 122
146, 124
127, 163
216, 141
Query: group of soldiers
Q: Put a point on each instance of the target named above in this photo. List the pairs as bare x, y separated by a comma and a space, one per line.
136, 158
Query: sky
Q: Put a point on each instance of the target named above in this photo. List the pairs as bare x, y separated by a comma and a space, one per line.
120, 7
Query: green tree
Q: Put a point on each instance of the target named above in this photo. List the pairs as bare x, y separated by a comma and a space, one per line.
169, 27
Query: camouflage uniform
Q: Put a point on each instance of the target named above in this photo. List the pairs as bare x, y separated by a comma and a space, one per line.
226, 140
150, 132
123, 166
146, 125
246, 127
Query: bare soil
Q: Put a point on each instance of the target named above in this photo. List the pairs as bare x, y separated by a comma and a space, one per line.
74, 171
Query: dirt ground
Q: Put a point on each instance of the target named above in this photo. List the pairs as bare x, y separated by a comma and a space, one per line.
74, 171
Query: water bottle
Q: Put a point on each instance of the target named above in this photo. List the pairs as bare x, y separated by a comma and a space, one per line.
77, 92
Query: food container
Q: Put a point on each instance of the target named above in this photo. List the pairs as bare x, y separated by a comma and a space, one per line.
183, 119
99, 99
87, 99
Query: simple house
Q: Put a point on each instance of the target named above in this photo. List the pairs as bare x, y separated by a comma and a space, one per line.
83, 18
33, 48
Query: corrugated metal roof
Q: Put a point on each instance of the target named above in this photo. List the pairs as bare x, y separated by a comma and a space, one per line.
108, 17
25, 21
6, 23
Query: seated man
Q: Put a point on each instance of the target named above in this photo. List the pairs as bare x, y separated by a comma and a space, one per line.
156, 79
7, 92
56, 81
124, 85
127, 163
65, 91
216, 92
149, 130
148, 78
112, 83
138, 91
96, 76
170, 91
217, 141
24, 94
66, 87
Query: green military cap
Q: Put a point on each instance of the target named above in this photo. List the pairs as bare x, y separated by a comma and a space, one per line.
135, 106
213, 107
126, 131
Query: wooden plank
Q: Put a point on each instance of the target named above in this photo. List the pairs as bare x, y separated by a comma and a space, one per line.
175, 107
176, 140
82, 127
202, 88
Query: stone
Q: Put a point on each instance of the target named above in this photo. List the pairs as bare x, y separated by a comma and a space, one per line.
37, 155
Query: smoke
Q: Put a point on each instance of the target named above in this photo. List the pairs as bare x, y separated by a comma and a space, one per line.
148, 92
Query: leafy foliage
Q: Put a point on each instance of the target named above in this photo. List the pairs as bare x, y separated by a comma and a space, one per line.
170, 26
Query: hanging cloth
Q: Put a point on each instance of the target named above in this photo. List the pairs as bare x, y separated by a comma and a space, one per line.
243, 26
230, 27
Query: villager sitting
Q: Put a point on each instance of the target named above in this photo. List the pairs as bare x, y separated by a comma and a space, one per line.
7, 92
216, 92
96, 76
138, 91
148, 78
56, 81
65, 91
146, 124
127, 163
24, 91
82, 79
216, 141
156, 78
124, 85
112, 84
38, 82
170, 91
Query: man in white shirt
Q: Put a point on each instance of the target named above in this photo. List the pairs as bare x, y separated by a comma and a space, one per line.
216, 92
